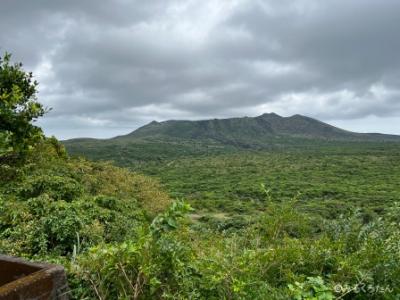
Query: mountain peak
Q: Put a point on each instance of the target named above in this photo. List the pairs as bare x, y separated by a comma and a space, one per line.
272, 114
263, 132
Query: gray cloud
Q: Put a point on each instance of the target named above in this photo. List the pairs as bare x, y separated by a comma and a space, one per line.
107, 67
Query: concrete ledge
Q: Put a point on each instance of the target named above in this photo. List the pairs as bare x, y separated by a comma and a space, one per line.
23, 280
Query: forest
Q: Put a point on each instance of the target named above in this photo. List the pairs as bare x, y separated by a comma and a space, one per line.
320, 221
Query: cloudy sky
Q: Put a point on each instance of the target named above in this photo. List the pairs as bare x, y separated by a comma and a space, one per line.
107, 67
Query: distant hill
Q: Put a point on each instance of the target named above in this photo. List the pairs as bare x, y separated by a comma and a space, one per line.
180, 137
250, 129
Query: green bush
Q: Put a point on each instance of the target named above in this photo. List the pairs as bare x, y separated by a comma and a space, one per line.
156, 264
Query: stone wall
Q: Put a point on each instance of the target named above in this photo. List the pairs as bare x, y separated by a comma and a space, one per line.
23, 280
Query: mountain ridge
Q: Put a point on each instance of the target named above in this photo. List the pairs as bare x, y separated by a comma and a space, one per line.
287, 129
175, 138
267, 124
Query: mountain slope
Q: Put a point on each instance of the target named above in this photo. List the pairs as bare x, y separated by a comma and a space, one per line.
250, 130
177, 138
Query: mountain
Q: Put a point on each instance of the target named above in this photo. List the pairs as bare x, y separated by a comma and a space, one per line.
180, 137
251, 129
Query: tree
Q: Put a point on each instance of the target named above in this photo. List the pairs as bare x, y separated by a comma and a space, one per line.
19, 108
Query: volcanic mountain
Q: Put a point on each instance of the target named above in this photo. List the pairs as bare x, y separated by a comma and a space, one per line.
176, 137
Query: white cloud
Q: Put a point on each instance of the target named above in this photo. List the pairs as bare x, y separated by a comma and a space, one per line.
114, 65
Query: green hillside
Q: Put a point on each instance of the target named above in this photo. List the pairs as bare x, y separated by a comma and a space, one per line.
173, 139
249, 131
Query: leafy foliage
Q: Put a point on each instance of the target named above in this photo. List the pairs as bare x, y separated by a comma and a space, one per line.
154, 265
313, 289
18, 109
55, 199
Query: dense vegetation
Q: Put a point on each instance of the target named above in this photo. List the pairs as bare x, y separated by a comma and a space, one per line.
320, 221
331, 182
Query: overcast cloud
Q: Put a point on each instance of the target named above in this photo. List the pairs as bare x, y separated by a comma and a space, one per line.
107, 67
